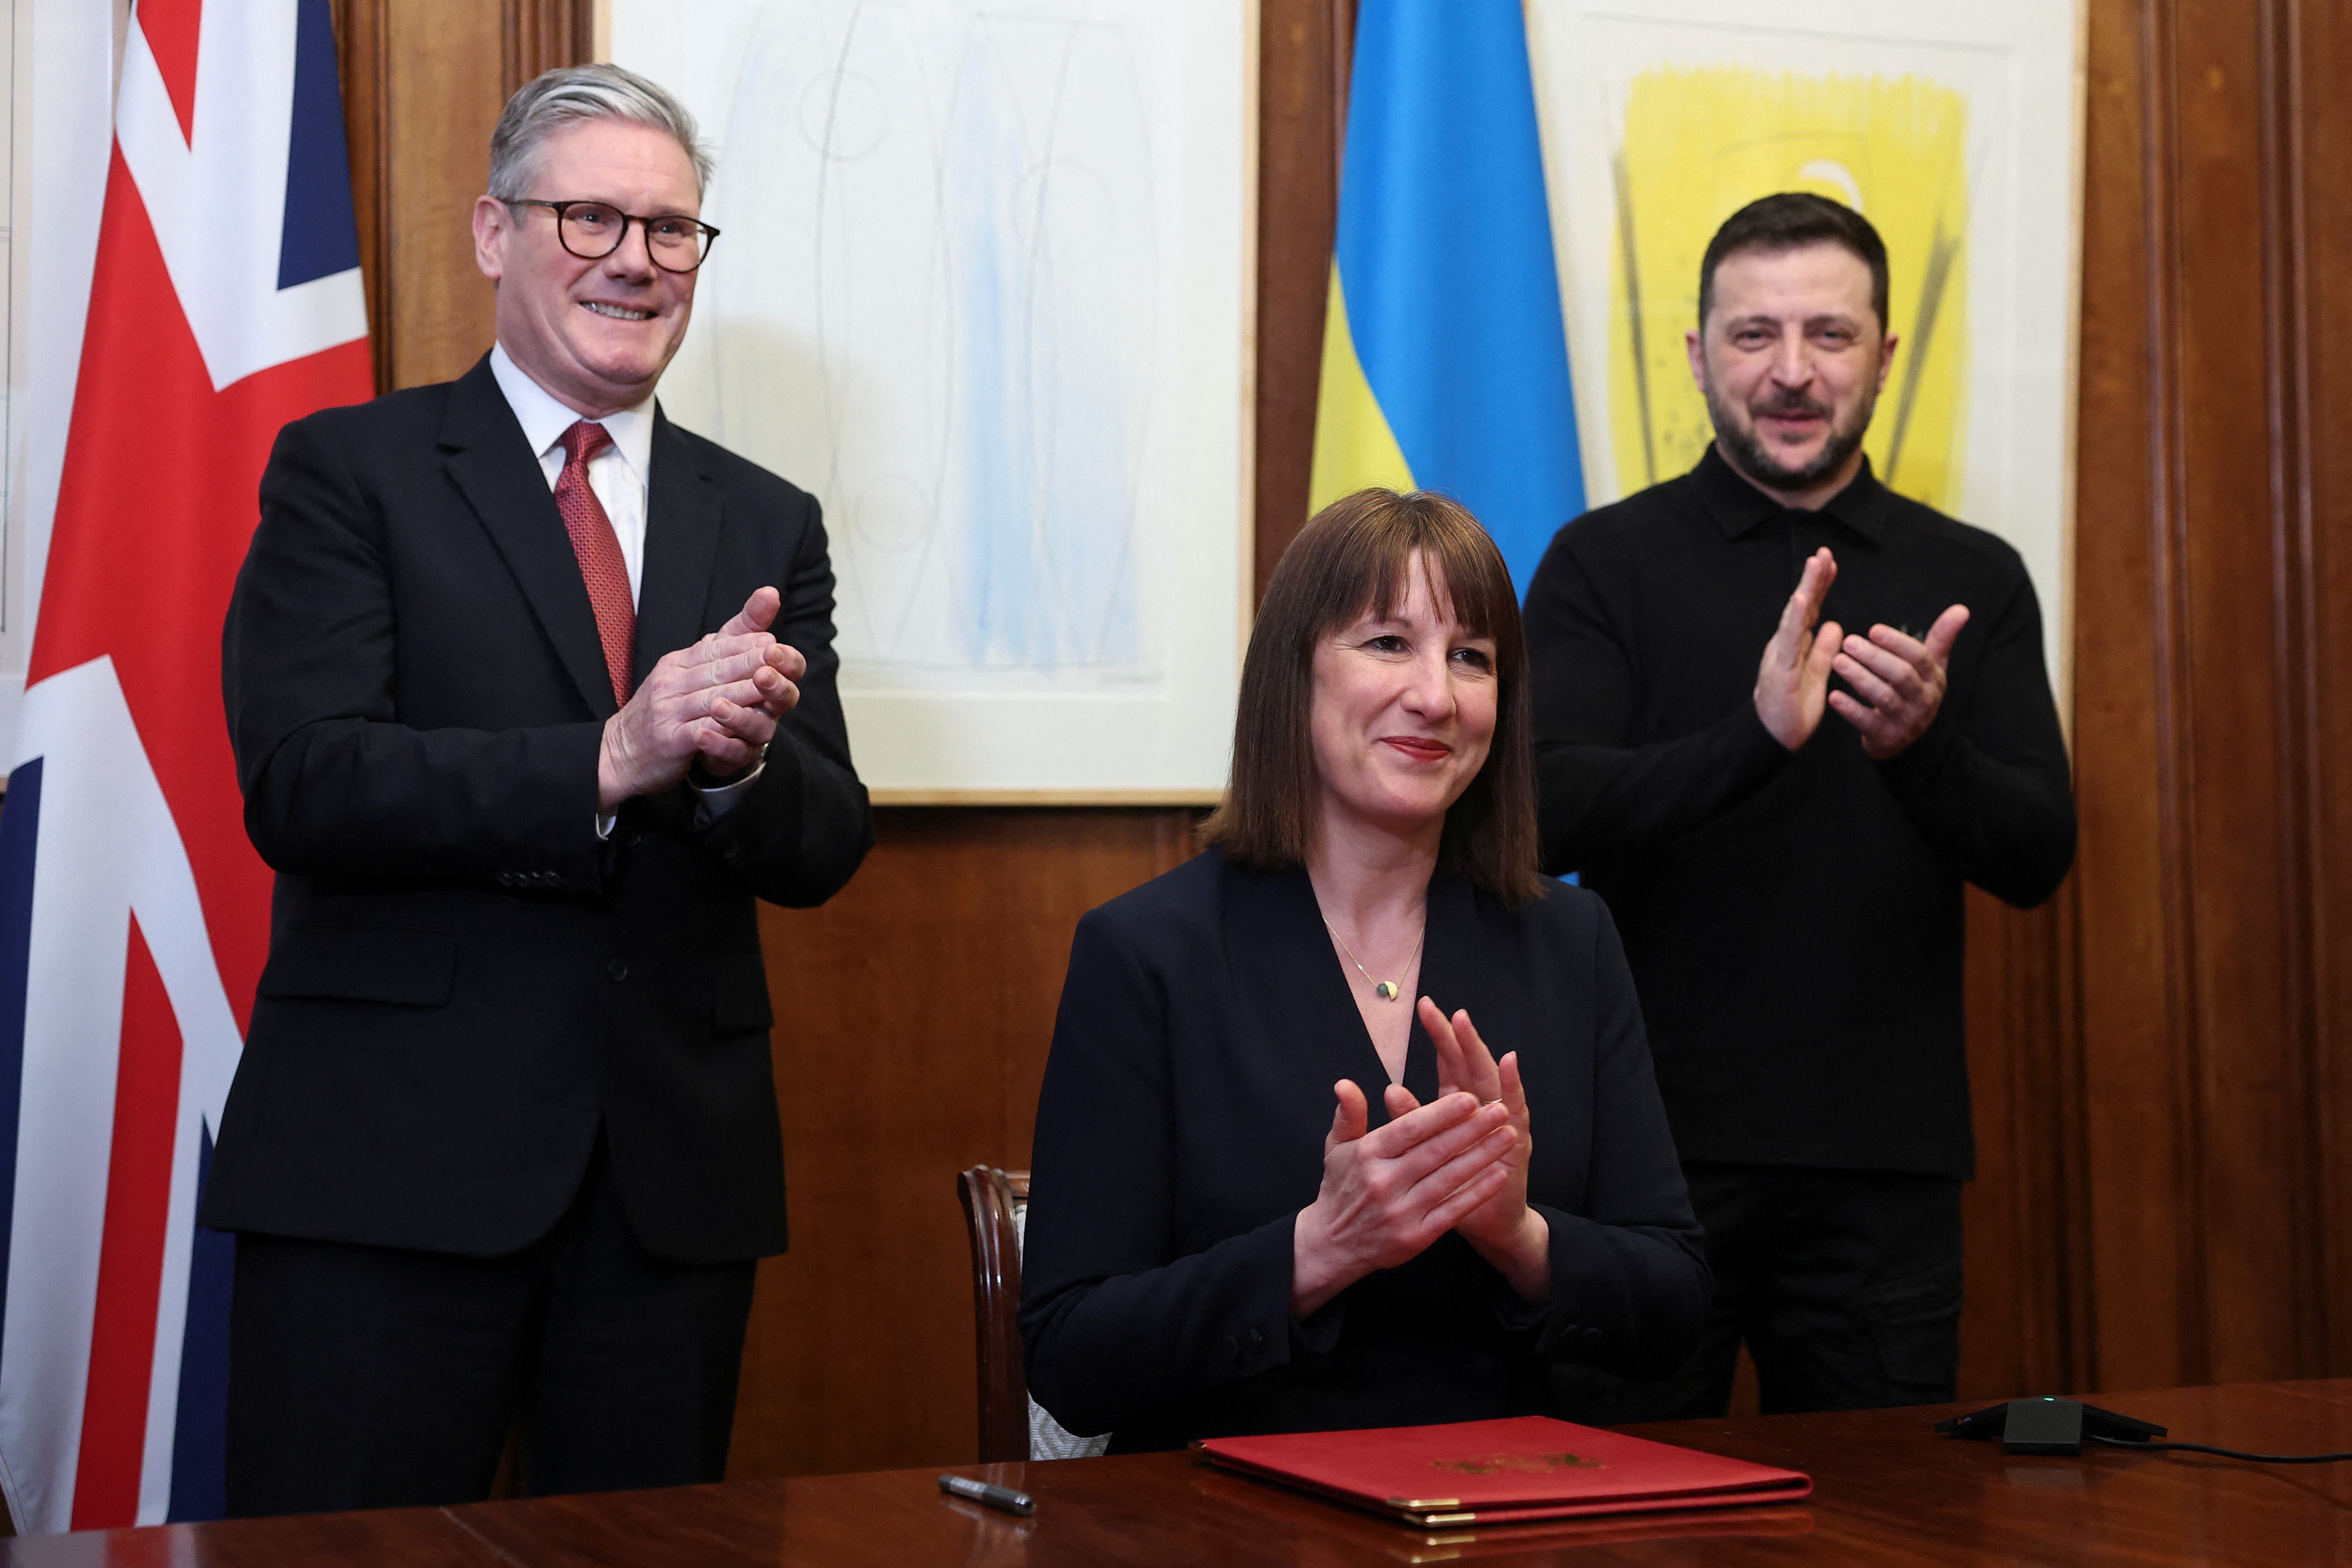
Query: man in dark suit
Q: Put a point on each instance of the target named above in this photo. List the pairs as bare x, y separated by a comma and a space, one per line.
531, 694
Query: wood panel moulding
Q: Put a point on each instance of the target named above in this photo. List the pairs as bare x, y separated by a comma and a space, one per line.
542, 35
2319, 650
1304, 50
360, 44
2024, 1323
2296, 706
2134, 1250
422, 83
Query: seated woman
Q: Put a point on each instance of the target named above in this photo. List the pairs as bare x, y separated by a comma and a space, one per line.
1214, 1247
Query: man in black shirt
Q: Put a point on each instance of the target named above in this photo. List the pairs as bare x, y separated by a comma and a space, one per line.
1782, 840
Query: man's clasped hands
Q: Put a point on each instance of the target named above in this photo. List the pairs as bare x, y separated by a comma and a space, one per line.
716, 702
1459, 1163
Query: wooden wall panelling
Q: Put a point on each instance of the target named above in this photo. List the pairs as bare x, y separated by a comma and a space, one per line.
2134, 1252
543, 34
1304, 50
422, 81
2212, 1044
2022, 1319
913, 1016
2206, 280
359, 48
2322, 640
442, 93
2226, 738
420, 97
2289, 195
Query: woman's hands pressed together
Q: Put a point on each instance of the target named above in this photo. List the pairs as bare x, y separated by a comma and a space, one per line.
1387, 1195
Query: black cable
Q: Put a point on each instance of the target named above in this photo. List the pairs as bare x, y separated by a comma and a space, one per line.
2224, 1453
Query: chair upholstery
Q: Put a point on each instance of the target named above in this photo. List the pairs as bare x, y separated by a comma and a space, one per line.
1011, 1425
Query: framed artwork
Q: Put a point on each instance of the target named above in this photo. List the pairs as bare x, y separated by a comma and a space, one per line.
1954, 128
984, 287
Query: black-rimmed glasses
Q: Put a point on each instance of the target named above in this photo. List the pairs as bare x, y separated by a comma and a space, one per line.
595, 230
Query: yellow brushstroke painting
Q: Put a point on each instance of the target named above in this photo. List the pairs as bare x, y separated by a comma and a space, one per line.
1700, 143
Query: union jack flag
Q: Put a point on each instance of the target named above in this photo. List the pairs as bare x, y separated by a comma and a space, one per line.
133, 912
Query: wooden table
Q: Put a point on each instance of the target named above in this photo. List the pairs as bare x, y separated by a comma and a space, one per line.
1886, 1492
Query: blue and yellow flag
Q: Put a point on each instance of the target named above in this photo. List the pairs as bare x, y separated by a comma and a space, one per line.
1445, 362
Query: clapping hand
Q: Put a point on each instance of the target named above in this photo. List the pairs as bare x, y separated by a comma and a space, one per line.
717, 701
1897, 681
1387, 1195
1792, 680
1508, 1233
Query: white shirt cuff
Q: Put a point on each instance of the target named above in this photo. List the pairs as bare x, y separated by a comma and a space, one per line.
712, 801
715, 800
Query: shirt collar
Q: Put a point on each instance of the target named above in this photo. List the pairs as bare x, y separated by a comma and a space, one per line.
544, 420
1737, 506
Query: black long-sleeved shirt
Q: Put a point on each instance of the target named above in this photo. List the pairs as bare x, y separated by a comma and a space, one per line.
1793, 920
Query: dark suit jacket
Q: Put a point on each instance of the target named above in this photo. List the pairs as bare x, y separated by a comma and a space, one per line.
1180, 1131
464, 982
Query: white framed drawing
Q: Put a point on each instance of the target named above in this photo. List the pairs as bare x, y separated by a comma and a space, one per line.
983, 287
1956, 129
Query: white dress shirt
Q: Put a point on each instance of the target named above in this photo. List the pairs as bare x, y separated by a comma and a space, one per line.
619, 476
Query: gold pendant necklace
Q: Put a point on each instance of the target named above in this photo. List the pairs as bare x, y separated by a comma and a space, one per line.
1387, 990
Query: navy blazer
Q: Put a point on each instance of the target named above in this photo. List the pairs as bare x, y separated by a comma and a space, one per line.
466, 984
1180, 1131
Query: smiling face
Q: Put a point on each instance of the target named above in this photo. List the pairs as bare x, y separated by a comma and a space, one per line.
1404, 712
1790, 358
596, 334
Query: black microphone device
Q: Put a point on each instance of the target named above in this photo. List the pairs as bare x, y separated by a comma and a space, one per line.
2047, 1425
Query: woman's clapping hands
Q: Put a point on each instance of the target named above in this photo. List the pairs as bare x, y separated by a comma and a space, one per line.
1387, 1195
1459, 1163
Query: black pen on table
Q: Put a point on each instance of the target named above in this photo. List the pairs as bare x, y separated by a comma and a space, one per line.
989, 1495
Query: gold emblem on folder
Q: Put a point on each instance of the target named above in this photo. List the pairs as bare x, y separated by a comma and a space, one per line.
1523, 1464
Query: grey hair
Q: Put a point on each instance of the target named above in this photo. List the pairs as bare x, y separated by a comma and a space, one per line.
555, 100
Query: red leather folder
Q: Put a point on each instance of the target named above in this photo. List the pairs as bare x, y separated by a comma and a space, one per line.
1496, 1472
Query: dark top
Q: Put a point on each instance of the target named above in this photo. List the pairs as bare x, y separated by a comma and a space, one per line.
464, 983
1180, 1131
1794, 920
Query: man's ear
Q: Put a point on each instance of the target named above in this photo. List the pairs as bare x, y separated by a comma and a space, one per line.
1694, 346
493, 226
1887, 358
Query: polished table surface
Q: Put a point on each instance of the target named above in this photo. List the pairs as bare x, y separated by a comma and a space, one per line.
1886, 1492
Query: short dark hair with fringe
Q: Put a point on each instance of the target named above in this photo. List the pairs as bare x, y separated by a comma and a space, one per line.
1790, 221
1355, 556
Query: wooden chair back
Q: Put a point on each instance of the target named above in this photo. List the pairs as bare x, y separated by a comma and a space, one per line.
992, 1202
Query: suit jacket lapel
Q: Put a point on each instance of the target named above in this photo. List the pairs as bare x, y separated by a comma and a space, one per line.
493, 466
683, 513
1284, 955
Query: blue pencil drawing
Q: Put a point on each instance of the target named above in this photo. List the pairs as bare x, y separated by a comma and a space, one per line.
983, 287
936, 302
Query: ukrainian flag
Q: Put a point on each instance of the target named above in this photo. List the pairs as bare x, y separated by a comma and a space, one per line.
1445, 362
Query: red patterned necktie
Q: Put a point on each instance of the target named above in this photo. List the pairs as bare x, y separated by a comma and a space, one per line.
593, 541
